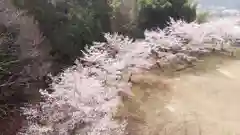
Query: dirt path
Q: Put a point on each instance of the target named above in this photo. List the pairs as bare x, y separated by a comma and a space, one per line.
210, 100
200, 101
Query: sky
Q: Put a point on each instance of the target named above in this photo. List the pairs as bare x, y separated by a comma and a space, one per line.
220, 7
230, 4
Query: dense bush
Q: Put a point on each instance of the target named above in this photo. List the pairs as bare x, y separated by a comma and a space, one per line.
8, 62
157, 13
202, 17
69, 25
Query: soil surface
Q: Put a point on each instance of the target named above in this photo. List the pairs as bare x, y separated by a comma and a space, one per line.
203, 100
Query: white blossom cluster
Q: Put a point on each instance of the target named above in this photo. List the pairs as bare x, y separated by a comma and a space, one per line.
86, 97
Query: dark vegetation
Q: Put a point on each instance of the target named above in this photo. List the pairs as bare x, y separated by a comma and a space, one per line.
69, 25
11, 94
156, 13
8, 58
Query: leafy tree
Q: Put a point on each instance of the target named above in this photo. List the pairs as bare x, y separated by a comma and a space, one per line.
156, 13
69, 25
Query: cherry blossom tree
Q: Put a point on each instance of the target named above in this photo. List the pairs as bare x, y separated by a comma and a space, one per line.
86, 96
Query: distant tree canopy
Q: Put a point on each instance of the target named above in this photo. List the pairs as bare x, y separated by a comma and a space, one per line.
156, 13
71, 24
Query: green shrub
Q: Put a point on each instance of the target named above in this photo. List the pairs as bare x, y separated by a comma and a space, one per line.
156, 13
69, 25
202, 17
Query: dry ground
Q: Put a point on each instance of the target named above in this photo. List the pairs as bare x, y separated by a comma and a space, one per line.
200, 101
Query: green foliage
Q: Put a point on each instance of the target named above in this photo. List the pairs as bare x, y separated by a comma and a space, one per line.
156, 13
115, 4
69, 25
202, 17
